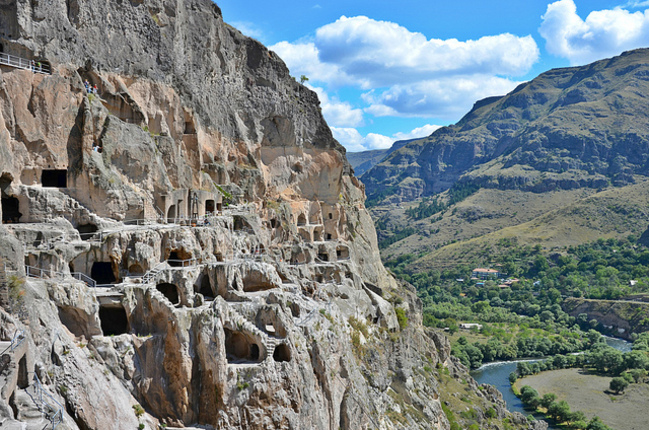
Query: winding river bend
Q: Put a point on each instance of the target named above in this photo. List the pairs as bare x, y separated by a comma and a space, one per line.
497, 374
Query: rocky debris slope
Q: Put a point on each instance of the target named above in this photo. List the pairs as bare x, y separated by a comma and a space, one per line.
188, 245
568, 128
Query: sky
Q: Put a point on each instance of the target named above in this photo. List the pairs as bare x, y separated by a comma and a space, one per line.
388, 70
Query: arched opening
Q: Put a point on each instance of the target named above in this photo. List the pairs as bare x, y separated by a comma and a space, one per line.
174, 259
317, 234
328, 236
342, 253
282, 353
219, 207
206, 288
102, 273
135, 270
331, 216
301, 219
10, 204
274, 223
209, 206
113, 320
170, 291
54, 178
23, 375
86, 231
190, 128
171, 214
239, 348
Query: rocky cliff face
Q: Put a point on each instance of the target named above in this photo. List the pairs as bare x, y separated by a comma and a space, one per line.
188, 246
568, 128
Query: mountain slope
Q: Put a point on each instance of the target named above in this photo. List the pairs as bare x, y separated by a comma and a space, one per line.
568, 128
365, 160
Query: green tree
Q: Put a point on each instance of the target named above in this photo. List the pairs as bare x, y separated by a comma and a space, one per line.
303, 79
547, 400
597, 424
560, 411
529, 396
618, 384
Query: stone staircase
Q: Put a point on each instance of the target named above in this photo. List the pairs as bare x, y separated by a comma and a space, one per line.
241, 323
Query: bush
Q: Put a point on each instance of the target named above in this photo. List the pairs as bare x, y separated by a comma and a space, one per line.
401, 317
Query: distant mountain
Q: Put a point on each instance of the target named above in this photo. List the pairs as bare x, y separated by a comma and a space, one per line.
365, 160
569, 128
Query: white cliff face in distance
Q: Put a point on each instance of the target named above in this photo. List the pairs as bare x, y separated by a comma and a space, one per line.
187, 246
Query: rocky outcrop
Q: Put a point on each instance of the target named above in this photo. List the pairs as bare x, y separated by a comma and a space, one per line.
197, 249
620, 318
568, 128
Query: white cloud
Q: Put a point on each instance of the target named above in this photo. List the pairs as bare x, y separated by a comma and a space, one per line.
602, 34
418, 132
337, 113
443, 98
354, 141
248, 28
405, 73
387, 53
351, 139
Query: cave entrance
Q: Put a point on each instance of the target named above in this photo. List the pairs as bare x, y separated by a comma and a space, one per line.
190, 128
342, 253
171, 214
86, 231
170, 291
174, 259
135, 270
113, 320
10, 210
23, 375
239, 347
274, 223
206, 288
102, 273
54, 178
282, 353
10, 204
323, 256
317, 234
301, 219
209, 206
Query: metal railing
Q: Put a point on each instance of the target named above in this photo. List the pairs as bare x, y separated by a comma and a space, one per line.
16, 341
46, 403
22, 63
35, 272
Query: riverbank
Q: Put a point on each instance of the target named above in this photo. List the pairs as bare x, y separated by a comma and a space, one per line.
586, 393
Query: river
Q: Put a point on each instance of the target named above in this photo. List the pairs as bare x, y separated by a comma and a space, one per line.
497, 374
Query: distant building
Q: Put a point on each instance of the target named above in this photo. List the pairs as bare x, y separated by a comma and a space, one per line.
482, 273
469, 326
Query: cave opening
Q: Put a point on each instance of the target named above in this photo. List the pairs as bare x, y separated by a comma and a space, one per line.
219, 207
282, 353
190, 128
171, 214
170, 291
209, 206
239, 348
113, 320
317, 235
86, 231
342, 253
57, 178
174, 259
10, 204
323, 256
23, 375
102, 273
274, 223
135, 269
301, 219
206, 288
10, 210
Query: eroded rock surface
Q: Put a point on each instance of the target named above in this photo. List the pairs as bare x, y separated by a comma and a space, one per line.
188, 246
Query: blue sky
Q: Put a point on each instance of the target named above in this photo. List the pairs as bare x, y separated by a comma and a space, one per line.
387, 70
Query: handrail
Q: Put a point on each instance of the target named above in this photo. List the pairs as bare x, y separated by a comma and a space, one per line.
57, 417
22, 63
18, 338
35, 272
